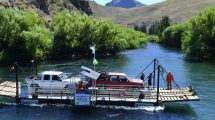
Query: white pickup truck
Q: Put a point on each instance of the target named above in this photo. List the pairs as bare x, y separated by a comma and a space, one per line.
51, 80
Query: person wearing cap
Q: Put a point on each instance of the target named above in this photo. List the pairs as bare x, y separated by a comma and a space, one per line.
169, 79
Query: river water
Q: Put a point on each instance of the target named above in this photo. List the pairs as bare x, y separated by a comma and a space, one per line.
200, 75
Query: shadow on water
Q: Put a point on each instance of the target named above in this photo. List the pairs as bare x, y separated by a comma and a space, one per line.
183, 109
4, 100
176, 50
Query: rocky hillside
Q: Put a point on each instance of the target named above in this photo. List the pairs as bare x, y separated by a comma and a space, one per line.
82, 5
177, 10
124, 3
48, 7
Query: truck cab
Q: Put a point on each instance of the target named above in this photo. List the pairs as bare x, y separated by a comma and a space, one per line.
51, 80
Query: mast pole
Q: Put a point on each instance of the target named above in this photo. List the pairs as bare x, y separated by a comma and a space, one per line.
158, 86
154, 73
94, 58
36, 69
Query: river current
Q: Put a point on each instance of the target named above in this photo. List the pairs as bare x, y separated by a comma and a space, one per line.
200, 75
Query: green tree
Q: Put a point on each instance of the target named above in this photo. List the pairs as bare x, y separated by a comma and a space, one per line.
136, 27
23, 36
153, 39
141, 28
172, 35
159, 26
199, 40
75, 32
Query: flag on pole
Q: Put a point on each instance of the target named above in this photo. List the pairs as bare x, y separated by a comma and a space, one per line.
95, 62
93, 48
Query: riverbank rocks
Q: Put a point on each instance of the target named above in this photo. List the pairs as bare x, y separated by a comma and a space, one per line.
82, 5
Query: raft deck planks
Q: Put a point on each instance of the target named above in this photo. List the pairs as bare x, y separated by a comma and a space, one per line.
8, 89
110, 95
174, 95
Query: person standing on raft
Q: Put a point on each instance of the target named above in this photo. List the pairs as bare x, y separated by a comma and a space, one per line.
169, 79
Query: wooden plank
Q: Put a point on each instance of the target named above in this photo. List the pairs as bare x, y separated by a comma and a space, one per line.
161, 98
191, 97
178, 98
171, 98
8, 88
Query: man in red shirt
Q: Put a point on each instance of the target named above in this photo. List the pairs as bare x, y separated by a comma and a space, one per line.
169, 79
80, 86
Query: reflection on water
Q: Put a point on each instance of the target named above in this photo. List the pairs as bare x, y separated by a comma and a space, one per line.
200, 75
179, 108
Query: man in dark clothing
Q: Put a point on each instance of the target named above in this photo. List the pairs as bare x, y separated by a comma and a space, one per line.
142, 77
150, 80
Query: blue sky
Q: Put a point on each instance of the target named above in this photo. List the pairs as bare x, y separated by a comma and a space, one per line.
147, 2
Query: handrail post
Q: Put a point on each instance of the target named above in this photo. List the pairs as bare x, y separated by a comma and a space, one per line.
158, 86
36, 66
109, 96
96, 95
17, 82
61, 92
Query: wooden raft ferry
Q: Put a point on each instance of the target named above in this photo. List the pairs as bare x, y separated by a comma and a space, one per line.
103, 95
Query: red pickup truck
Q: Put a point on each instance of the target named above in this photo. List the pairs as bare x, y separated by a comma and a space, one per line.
117, 80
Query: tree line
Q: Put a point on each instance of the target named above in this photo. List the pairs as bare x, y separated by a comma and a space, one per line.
141, 28
24, 36
156, 28
196, 37
159, 26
